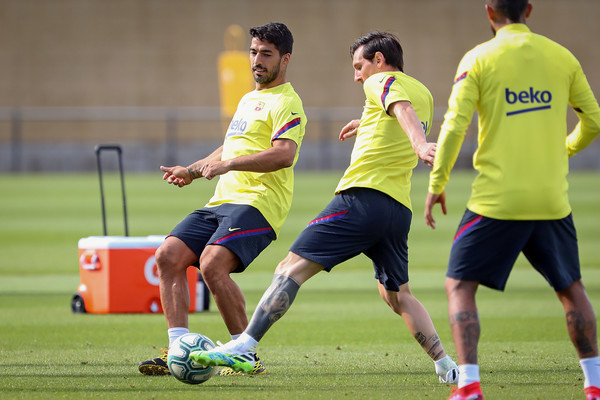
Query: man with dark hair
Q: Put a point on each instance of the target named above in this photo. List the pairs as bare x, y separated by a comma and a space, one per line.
276, 33
521, 84
251, 200
383, 42
370, 213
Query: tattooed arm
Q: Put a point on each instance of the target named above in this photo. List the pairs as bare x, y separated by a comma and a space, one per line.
181, 176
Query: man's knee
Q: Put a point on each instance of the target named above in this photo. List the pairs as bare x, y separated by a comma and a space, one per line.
173, 257
284, 265
217, 262
456, 286
165, 257
298, 268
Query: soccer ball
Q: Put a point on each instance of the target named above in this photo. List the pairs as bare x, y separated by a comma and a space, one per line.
180, 364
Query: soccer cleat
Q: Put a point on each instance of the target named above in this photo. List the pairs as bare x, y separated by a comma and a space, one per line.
592, 393
447, 370
259, 369
244, 363
469, 392
450, 376
156, 366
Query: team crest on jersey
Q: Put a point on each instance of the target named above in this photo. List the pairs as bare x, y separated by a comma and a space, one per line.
259, 106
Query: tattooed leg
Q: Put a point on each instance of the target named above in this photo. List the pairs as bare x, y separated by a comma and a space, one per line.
580, 318
432, 345
275, 302
464, 320
416, 318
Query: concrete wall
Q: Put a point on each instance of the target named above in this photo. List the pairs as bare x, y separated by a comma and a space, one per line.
163, 53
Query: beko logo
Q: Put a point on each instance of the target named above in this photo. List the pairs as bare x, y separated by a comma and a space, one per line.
539, 99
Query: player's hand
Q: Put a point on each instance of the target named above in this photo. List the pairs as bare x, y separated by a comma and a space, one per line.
430, 201
426, 152
178, 176
215, 168
350, 129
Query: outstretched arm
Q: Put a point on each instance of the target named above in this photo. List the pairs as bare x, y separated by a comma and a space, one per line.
407, 117
280, 155
182, 176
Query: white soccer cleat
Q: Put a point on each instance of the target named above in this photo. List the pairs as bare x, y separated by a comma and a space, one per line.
447, 370
450, 376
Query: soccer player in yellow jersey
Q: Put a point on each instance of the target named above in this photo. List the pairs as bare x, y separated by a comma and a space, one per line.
251, 200
370, 213
521, 85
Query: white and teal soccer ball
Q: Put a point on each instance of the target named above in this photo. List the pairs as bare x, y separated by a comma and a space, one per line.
180, 364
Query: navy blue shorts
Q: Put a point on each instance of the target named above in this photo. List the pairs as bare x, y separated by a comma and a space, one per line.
360, 220
240, 228
485, 249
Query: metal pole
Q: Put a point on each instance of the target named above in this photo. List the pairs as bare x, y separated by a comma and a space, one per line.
116, 148
16, 136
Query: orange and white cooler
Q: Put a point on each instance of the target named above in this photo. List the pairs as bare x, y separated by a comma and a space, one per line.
118, 274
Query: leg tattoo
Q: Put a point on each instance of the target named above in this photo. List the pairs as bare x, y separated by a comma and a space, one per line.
466, 330
577, 326
432, 345
275, 302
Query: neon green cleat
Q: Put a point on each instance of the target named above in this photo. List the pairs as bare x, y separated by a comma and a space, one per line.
243, 363
259, 369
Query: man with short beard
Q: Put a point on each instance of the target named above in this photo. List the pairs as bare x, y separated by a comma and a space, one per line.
251, 200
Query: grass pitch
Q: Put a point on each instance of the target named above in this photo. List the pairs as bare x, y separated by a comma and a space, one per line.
338, 340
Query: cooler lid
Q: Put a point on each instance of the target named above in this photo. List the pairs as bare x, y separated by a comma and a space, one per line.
120, 242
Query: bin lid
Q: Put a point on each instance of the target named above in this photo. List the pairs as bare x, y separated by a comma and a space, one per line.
120, 242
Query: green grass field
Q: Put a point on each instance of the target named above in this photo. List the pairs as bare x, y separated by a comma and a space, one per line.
338, 340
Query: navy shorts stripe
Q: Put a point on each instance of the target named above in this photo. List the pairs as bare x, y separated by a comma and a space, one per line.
360, 220
467, 228
326, 218
240, 228
241, 234
485, 250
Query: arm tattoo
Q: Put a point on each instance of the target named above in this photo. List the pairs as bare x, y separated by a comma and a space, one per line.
194, 171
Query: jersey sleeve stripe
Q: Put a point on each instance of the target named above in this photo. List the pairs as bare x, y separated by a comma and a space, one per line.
386, 90
286, 127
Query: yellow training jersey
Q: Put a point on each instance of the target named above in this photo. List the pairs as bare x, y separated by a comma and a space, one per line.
383, 157
520, 83
262, 117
